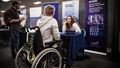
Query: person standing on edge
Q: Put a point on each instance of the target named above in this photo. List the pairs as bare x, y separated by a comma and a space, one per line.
11, 18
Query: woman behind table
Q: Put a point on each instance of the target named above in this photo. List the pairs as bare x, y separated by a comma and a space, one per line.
70, 25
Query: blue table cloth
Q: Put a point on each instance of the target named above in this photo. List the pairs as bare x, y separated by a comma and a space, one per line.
73, 43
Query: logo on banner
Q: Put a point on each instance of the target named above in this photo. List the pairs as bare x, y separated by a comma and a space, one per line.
93, 1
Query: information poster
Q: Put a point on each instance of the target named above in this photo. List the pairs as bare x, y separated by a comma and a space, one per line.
96, 20
35, 13
70, 8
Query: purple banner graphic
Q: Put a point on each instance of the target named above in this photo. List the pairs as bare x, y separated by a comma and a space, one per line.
96, 20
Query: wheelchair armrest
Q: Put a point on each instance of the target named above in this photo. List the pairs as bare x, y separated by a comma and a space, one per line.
35, 27
53, 42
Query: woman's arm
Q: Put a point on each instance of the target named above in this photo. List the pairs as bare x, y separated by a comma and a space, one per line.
55, 29
64, 28
76, 27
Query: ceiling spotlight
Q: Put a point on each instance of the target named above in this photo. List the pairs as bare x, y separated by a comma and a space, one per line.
38, 2
2, 11
5, 0
22, 6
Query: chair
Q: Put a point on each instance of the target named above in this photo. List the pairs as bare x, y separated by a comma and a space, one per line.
83, 31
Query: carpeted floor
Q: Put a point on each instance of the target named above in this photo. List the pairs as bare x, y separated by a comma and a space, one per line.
95, 61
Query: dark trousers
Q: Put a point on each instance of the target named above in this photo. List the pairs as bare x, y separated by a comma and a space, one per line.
14, 43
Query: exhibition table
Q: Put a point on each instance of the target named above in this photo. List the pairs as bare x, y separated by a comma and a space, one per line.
73, 42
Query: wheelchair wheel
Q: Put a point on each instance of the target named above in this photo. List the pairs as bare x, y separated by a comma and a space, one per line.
48, 58
21, 60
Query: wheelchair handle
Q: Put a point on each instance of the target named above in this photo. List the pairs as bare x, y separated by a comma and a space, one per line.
27, 28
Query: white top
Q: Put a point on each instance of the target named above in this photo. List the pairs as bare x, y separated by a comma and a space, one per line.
49, 28
2, 21
23, 23
75, 28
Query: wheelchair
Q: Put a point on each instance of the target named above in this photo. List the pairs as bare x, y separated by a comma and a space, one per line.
34, 55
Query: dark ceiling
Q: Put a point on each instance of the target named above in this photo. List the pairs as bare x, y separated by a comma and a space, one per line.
28, 3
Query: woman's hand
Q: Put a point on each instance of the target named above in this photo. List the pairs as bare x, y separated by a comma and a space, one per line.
67, 24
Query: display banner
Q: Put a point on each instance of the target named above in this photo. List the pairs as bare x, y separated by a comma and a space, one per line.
70, 8
56, 5
96, 20
35, 13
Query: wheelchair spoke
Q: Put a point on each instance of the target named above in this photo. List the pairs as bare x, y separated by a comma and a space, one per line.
50, 60
51, 55
22, 61
53, 60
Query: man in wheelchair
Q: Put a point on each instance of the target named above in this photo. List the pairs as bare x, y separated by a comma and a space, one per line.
43, 53
48, 25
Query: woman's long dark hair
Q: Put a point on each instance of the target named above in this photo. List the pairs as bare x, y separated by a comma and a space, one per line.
68, 26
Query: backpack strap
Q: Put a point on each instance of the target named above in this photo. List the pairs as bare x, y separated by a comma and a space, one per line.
45, 23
